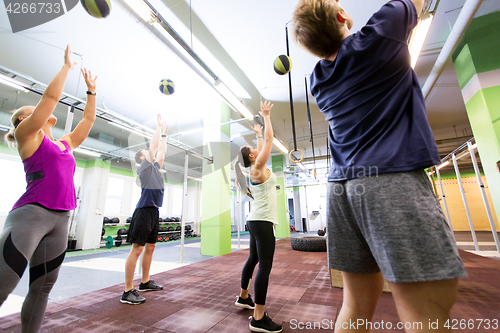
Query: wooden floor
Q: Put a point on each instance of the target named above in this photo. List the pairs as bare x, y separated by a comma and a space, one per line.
200, 298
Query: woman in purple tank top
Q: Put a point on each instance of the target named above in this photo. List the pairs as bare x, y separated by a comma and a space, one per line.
36, 229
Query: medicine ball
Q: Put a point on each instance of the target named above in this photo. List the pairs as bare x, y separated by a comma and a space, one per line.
167, 86
97, 8
121, 232
282, 64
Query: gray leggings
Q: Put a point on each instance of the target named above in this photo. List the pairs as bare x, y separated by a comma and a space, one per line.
38, 235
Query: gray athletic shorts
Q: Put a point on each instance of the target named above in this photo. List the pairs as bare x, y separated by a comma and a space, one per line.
391, 223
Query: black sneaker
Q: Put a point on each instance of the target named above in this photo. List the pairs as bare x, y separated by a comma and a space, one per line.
245, 303
150, 286
132, 297
265, 324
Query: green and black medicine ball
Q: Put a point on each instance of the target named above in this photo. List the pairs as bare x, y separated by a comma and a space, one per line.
282, 64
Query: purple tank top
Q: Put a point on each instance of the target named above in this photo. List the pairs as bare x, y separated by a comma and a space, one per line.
49, 175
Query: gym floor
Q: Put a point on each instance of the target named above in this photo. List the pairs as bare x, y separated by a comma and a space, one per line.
199, 294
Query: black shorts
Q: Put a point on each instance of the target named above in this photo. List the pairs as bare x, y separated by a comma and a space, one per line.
144, 226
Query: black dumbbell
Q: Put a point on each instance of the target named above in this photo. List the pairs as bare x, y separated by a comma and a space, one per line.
118, 240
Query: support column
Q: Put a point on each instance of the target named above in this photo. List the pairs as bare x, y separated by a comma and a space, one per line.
477, 65
94, 189
283, 228
215, 226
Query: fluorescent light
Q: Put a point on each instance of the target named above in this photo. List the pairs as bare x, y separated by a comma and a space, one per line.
442, 165
195, 178
133, 130
231, 98
417, 38
11, 83
139, 7
86, 152
280, 146
301, 165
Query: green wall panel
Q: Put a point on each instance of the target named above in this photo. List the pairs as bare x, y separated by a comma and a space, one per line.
283, 228
225, 117
464, 66
480, 108
122, 172
479, 49
215, 226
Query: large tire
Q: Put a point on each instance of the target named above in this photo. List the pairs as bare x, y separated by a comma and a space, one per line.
309, 244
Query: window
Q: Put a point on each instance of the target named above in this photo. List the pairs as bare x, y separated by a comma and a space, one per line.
136, 195
164, 208
114, 196
13, 183
177, 194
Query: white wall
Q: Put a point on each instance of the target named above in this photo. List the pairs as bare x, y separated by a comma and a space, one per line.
10, 194
94, 187
316, 201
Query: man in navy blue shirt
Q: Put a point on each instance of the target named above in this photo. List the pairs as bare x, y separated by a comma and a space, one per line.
144, 225
384, 220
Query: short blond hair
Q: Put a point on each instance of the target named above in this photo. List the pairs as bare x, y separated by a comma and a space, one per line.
316, 27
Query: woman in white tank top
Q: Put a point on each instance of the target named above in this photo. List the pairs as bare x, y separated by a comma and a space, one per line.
260, 222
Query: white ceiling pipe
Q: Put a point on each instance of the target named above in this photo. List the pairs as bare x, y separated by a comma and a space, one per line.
466, 15
98, 145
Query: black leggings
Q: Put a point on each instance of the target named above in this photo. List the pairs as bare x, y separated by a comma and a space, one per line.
262, 245
39, 236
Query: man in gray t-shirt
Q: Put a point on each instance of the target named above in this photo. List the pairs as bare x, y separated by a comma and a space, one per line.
144, 225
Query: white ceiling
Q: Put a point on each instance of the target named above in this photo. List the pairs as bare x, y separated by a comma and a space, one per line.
238, 40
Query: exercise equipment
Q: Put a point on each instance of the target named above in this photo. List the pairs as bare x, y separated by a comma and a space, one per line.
105, 219
282, 64
122, 231
109, 242
309, 244
114, 220
118, 240
310, 128
321, 232
290, 155
167, 86
97, 8
103, 232
128, 219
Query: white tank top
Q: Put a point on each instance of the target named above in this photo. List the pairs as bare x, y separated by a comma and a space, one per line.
265, 205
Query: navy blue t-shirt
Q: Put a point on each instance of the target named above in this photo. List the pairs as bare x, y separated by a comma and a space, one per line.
372, 100
152, 184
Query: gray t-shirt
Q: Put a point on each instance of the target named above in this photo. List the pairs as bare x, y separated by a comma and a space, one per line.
152, 184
